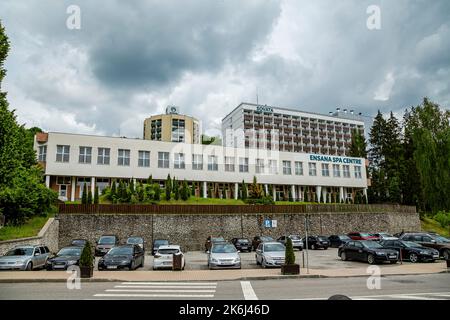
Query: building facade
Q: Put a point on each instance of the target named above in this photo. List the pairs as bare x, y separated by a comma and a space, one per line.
265, 127
172, 127
72, 160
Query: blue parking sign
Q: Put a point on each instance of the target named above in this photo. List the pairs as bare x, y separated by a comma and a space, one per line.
268, 223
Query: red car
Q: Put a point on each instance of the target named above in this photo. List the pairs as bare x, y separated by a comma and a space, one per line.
362, 236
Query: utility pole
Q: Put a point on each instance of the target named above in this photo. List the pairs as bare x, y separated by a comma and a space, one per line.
306, 243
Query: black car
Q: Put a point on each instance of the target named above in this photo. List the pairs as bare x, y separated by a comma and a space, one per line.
157, 243
316, 242
65, 257
258, 239
367, 251
242, 244
412, 251
337, 240
78, 242
129, 256
430, 241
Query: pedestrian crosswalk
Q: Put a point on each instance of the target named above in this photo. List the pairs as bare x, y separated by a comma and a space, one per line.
186, 290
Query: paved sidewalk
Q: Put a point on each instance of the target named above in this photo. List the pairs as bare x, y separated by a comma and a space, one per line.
218, 275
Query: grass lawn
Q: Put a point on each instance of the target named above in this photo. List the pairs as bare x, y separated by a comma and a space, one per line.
30, 229
434, 226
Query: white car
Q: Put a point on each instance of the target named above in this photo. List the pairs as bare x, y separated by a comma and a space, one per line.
163, 258
270, 254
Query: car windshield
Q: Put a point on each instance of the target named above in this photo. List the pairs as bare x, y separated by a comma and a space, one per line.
161, 242
271, 247
78, 242
219, 239
168, 251
107, 240
242, 241
372, 244
295, 237
344, 237
118, 251
69, 252
135, 240
441, 239
266, 239
323, 238
20, 252
411, 244
227, 248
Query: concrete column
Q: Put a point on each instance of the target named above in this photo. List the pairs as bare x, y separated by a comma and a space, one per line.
325, 194
274, 193
365, 193
318, 193
72, 189
92, 186
266, 188
205, 190
345, 194
341, 193
47, 181
236, 187
293, 192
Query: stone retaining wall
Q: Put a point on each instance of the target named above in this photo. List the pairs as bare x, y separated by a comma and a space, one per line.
191, 230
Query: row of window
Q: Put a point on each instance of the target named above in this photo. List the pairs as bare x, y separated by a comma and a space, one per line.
179, 162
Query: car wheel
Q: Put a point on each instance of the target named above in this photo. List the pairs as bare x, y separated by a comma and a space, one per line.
325, 248
446, 254
371, 259
393, 262
263, 263
29, 266
343, 256
413, 257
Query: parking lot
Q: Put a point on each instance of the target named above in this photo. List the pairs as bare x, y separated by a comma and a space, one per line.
318, 259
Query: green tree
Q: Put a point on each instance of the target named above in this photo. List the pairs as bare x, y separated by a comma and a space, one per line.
140, 192
84, 195
176, 189
113, 193
289, 253
150, 180
87, 258
244, 191
305, 196
255, 190
96, 199
184, 191
358, 145
89, 197
131, 187
168, 187
291, 198
157, 190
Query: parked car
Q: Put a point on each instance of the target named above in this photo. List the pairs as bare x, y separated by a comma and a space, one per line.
368, 251
270, 254
223, 255
317, 242
431, 241
136, 240
65, 257
157, 243
297, 242
105, 243
25, 258
384, 236
129, 256
361, 236
242, 244
258, 239
211, 240
78, 242
412, 251
337, 240
164, 257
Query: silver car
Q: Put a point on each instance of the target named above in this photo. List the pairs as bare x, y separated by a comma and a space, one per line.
297, 242
25, 258
224, 255
270, 254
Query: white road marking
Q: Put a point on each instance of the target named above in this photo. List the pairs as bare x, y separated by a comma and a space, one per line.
247, 290
169, 287
157, 290
400, 296
112, 295
172, 283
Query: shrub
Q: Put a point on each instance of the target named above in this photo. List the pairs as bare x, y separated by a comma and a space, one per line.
184, 191
289, 255
157, 190
96, 195
87, 259
263, 200
443, 218
244, 191
89, 197
84, 195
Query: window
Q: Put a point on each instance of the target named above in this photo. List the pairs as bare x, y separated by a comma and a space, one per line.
346, 169
259, 165
85, 155
62, 180
229, 164
197, 162
243, 164
287, 167
179, 162
212, 163
163, 160
42, 153
144, 158
62, 153
325, 170
124, 157
273, 167
312, 169
358, 172
178, 126
103, 155
298, 168
336, 170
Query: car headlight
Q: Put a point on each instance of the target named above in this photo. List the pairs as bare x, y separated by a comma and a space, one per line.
237, 259
380, 253
71, 262
214, 260
424, 252
19, 263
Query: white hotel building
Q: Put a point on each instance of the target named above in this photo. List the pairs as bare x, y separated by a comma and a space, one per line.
71, 160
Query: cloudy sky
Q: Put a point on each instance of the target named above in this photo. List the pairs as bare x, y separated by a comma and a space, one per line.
130, 59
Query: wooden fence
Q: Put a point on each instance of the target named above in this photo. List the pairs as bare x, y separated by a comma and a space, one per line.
228, 209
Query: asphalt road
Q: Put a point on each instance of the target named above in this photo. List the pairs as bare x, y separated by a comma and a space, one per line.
415, 287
